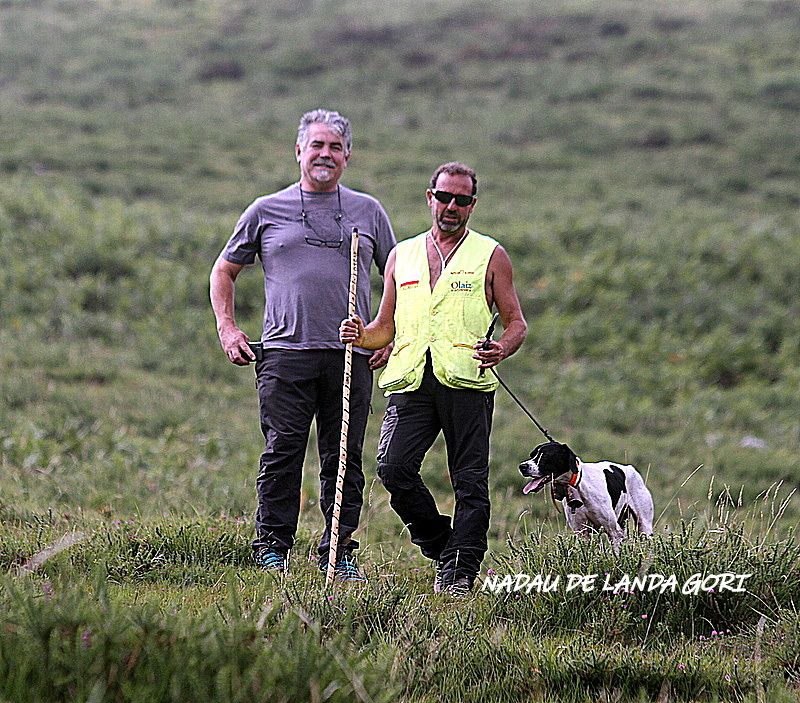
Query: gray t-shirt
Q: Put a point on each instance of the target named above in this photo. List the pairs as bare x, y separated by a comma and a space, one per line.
306, 269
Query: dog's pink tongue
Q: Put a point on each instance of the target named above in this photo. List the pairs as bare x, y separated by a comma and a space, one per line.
534, 485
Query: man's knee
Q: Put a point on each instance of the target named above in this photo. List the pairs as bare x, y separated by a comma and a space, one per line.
354, 477
397, 477
329, 462
283, 442
472, 485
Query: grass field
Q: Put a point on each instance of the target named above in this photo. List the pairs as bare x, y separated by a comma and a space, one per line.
640, 163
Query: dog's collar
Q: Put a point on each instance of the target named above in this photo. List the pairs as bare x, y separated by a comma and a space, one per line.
577, 474
560, 489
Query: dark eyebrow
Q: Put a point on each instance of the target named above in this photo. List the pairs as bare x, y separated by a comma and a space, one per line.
320, 142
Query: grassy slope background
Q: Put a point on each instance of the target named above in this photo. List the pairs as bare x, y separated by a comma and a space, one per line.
641, 167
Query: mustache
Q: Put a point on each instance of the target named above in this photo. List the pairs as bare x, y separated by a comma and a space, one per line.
324, 162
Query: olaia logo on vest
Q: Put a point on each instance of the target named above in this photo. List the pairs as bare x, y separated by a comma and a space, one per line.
460, 286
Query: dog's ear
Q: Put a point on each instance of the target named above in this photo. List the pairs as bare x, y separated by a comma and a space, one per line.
570, 458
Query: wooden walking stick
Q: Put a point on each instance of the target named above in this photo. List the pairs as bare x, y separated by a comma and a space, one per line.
348, 372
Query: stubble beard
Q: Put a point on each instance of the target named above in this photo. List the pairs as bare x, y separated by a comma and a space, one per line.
451, 226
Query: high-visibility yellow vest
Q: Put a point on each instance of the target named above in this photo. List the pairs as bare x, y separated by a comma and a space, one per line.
448, 320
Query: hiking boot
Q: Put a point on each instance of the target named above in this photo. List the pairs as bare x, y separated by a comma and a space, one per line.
268, 559
345, 571
450, 584
460, 588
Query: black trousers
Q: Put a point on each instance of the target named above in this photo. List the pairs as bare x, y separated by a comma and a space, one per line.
411, 424
295, 387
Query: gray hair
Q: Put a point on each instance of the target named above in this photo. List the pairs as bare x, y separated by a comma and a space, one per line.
455, 168
331, 119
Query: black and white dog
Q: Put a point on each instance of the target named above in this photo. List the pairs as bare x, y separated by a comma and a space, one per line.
595, 496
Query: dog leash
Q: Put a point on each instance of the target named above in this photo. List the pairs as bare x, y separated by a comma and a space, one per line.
505, 385
524, 409
577, 474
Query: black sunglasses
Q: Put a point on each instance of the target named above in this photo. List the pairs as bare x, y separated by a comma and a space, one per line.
445, 197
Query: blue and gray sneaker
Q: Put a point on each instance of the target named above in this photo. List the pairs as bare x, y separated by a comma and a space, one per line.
268, 559
346, 570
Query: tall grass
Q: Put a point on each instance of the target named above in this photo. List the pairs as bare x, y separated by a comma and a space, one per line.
65, 646
188, 588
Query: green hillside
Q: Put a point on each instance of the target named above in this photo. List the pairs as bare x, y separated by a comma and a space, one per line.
641, 168
640, 163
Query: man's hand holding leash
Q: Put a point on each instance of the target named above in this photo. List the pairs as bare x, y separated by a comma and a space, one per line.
489, 352
496, 351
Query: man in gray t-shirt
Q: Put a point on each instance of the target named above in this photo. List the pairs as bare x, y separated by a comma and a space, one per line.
301, 234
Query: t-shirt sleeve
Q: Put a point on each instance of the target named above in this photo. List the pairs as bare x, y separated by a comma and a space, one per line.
245, 242
385, 239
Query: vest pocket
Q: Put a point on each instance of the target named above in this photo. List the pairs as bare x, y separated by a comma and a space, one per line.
462, 371
388, 382
397, 376
398, 348
460, 367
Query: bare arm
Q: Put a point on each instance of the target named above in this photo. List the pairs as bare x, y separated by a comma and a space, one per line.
380, 331
231, 338
500, 291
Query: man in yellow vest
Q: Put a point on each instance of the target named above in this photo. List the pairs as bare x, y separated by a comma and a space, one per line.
439, 290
